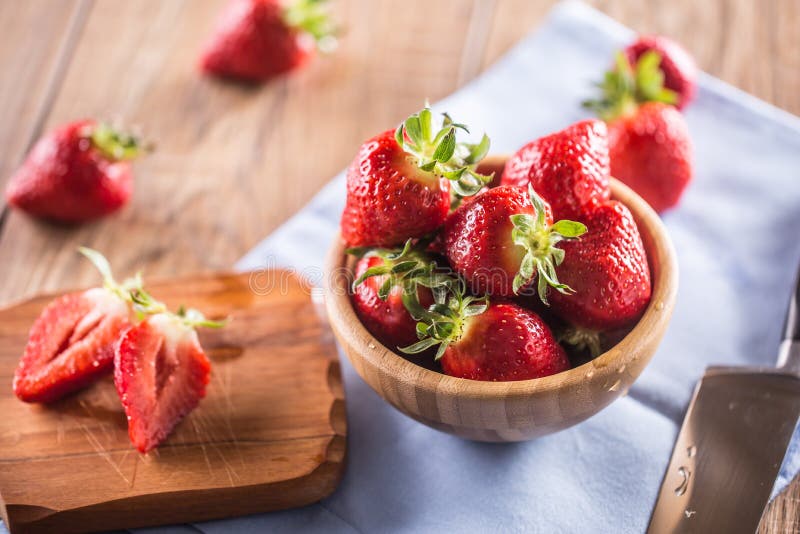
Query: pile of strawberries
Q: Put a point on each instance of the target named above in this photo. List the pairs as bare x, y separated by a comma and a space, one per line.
494, 278
160, 369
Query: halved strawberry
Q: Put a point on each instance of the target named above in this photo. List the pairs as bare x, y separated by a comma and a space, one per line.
161, 373
71, 343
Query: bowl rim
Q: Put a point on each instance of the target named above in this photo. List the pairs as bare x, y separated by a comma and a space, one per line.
647, 331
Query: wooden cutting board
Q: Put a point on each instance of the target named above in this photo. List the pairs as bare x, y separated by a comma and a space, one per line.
269, 435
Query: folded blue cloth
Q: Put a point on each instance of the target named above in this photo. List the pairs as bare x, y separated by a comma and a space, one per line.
736, 233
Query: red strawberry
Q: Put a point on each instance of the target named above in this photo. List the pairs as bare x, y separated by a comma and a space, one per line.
648, 139
398, 186
651, 152
497, 342
608, 271
678, 66
569, 169
161, 373
71, 344
75, 173
386, 318
503, 239
258, 39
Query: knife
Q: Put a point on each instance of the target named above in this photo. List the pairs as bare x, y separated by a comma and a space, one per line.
732, 442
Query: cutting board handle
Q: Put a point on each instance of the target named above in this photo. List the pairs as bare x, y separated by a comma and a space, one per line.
789, 354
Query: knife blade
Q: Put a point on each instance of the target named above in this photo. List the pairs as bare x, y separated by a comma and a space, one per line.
732, 443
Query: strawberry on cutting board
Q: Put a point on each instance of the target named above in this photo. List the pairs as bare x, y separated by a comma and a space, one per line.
609, 273
258, 39
71, 344
569, 169
649, 144
399, 185
504, 240
479, 340
161, 373
678, 66
77, 172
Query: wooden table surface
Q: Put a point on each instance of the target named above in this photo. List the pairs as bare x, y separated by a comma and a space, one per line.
233, 162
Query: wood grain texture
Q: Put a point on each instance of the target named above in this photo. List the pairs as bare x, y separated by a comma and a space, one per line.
218, 182
32, 69
518, 410
69, 466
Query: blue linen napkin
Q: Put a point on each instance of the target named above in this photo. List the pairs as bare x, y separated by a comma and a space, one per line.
736, 233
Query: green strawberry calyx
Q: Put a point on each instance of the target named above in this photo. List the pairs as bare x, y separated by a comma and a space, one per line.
144, 304
445, 321
626, 86
312, 17
132, 291
539, 240
114, 144
440, 153
408, 268
122, 290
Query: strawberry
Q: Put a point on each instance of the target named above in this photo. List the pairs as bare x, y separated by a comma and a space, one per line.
78, 172
71, 344
678, 66
506, 234
398, 186
482, 341
651, 152
569, 169
648, 139
161, 373
382, 278
608, 271
258, 39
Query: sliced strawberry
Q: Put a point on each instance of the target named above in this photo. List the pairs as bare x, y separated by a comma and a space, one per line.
70, 345
161, 373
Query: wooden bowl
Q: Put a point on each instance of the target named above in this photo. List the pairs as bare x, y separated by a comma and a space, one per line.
524, 409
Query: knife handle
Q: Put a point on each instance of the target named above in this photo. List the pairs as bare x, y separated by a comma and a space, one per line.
789, 353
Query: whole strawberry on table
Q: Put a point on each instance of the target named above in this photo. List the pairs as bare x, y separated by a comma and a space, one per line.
256, 40
78, 172
160, 369
493, 283
641, 100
